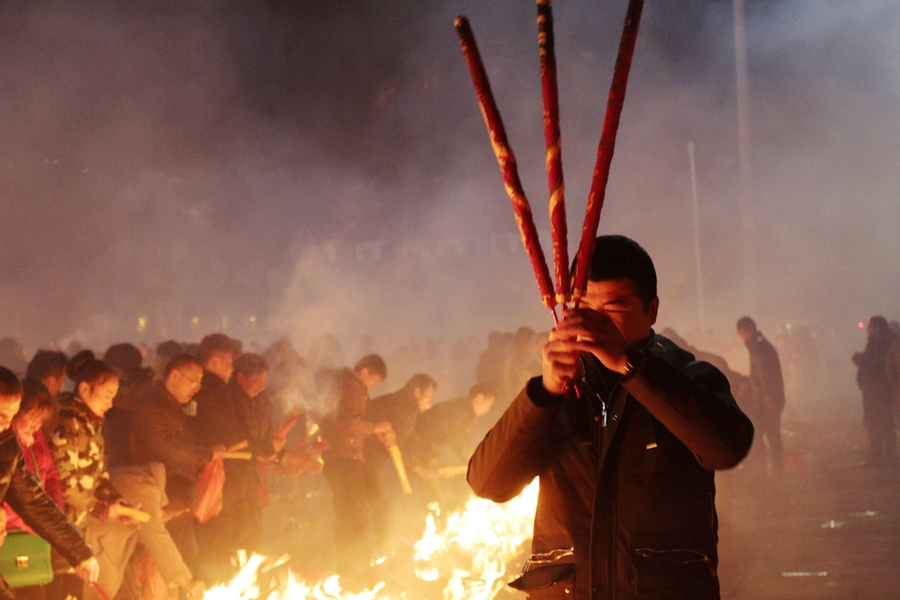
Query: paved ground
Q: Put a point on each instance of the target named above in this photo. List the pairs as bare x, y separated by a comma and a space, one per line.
827, 528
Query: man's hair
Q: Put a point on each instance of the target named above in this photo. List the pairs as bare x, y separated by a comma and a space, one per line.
179, 362
81, 358
169, 348
125, 357
618, 257
217, 342
95, 372
485, 389
373, 363
46, 363
35, 396
420, 381
250, 364
746, 323
878, 322
10, 386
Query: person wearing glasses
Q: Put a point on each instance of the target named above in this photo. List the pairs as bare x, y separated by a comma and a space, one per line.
162, 433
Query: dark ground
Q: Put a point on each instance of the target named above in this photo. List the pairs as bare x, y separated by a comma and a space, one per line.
827, 528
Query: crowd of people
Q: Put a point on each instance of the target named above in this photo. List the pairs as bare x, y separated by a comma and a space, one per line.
119, 444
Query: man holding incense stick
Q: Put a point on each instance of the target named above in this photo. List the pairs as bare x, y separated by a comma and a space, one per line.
625, 430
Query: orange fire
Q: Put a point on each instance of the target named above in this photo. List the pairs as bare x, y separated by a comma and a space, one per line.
470, 552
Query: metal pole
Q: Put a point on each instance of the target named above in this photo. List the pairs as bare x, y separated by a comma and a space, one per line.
748, 224
701, 307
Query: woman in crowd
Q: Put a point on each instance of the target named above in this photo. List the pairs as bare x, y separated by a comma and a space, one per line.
91, 502
36, 408
27, 499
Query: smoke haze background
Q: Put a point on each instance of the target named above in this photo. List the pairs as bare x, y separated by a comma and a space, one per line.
305, 168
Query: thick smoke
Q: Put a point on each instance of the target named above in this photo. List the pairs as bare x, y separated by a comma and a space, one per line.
310, 168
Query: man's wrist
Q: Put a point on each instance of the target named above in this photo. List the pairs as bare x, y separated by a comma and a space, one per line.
634, 360
540, 395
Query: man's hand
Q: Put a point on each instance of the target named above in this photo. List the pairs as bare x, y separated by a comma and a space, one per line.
218, 452
385, 433
116, 513
582, 330
88, 570
2, 526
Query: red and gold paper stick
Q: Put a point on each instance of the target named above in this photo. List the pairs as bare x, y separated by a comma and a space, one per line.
555, 183
506, 160
606, 148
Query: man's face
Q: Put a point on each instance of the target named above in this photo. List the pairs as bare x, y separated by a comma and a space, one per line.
221, 364
618, 300
253, 385
424, 397
9, 406
184, 382
369, 378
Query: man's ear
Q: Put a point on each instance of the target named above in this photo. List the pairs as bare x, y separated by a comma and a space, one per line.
653, 309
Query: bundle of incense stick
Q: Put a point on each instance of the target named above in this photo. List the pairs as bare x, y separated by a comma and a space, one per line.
507, 161
552, 136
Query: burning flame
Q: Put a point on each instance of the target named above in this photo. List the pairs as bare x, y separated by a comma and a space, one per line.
486, 536
471, 552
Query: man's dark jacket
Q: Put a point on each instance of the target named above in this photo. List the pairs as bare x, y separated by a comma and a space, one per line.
766, 381
446, 425
629, 507
25, 496
402, 410
162, 433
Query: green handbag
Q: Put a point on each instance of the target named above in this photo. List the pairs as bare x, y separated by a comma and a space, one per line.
25, 559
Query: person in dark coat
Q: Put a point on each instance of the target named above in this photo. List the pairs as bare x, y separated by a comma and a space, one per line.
624, 430
25, 496
244, 417
440, 447
48, 367
216, 354
879, 408
401, 409
136, 380
766, 390
442, 433
162, 433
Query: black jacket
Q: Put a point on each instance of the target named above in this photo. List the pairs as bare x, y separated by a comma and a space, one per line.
872, 375
26, 497
161, 432
629, 506
766, 381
